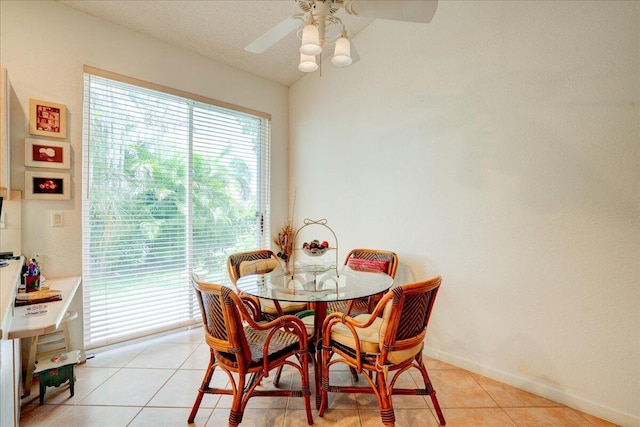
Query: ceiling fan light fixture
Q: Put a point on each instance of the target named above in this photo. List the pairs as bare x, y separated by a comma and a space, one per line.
317, 25
342, 52
310, 38
308, 63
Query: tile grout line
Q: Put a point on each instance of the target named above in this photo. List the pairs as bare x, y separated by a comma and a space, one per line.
40, 418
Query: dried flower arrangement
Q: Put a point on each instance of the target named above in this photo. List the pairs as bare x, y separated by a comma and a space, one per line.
284, 241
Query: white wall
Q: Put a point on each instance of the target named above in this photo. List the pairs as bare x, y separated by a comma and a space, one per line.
11, 234
44, 46
497, 146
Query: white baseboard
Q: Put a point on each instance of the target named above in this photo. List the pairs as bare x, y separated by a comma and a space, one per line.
561, 396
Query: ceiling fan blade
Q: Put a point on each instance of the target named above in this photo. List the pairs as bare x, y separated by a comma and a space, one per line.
397, 10
275, 34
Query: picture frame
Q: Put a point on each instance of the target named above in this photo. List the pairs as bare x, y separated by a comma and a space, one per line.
47, 118
40, 153
47, 185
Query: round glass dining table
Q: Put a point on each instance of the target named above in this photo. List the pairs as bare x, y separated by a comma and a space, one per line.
315, 284
318, 286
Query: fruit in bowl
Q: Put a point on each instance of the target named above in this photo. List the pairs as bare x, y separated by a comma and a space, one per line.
315, 248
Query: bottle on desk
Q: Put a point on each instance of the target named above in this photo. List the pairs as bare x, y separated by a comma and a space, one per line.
32, 277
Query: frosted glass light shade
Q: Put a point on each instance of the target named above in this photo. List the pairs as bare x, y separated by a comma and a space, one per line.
308, 63
342, 53
310, 40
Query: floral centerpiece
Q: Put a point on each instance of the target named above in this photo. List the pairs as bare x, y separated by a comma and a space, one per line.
284, 241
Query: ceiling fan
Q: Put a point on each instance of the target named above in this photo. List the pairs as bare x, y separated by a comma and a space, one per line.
318, 26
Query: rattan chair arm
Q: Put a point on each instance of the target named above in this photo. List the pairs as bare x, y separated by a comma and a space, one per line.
352, 325
340, 319
345, 320
253, 304
285, 321
290, 324
379, 308
278, 307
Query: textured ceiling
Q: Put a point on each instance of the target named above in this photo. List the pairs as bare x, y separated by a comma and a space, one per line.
216, 29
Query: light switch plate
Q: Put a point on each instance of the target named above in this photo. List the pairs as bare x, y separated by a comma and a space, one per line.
57, 219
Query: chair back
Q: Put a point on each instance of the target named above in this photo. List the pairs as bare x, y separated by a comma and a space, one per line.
407, 309
252, 259
222, 321
247, 350
382, 348
373, 259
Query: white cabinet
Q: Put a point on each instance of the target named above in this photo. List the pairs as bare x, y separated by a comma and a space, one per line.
9, 382
10, 369
5, 169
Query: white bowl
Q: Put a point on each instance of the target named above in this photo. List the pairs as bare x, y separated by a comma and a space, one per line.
315, 251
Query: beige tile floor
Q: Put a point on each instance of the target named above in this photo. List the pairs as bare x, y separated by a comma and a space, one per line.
154, 383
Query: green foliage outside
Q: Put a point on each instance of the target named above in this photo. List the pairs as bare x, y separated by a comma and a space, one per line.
152, 209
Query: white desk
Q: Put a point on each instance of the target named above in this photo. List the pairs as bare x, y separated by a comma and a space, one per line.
22, 326
33, 327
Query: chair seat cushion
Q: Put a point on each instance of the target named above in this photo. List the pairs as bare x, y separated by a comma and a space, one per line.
287, 307
370, 339
258, 266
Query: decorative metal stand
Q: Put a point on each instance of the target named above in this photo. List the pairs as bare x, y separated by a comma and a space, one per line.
311, 268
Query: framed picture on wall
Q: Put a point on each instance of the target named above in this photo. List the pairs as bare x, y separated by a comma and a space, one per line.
47, 118
39, 153
47, 185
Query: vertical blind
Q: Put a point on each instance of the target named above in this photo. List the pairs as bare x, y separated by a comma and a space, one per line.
172, 184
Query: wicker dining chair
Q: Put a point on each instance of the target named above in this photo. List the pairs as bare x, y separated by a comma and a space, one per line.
261, 261
382, 348
251, 304
367, 260
242, 347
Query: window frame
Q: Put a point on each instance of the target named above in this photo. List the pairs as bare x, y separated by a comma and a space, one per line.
262, 178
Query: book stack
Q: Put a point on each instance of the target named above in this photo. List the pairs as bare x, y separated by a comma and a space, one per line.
38, 297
